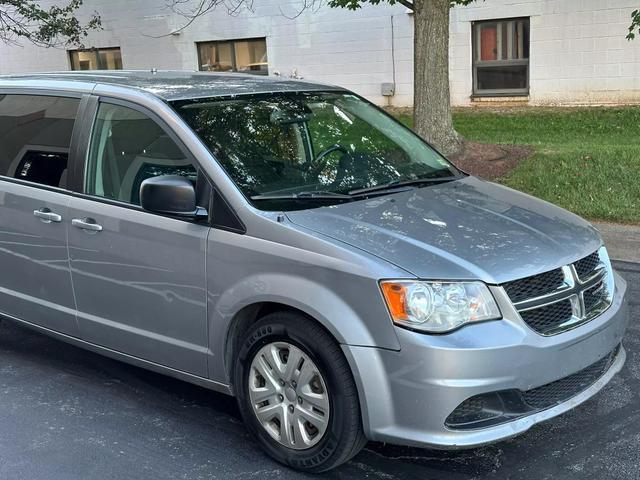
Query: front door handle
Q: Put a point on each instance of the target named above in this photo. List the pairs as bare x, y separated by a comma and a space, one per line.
86, 224
47, 216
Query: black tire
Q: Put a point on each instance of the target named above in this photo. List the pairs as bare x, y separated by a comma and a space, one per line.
344, 436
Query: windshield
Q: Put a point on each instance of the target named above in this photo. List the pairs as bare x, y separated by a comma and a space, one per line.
307, 149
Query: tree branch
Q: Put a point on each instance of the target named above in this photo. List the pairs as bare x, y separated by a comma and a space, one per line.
57, 25
235, 6
203, 7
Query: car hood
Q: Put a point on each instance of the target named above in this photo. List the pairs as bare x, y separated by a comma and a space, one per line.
465, 229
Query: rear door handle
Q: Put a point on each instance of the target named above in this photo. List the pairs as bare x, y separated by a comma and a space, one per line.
86, 224
47, 216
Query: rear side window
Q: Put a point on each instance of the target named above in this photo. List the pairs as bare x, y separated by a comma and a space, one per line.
35, 135
127, 147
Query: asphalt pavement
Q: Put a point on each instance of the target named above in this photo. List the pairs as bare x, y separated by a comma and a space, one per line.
70, 414
622, 241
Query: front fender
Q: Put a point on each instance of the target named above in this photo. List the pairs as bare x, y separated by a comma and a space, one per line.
316, 300
331, 310
334, 292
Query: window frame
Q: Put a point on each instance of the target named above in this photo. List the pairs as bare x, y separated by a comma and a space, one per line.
78, 127
96, 50
79, 148
84, 144
83, 156
232, 42
476, 62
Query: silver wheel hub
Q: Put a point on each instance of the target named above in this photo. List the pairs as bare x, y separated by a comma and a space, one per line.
288, 395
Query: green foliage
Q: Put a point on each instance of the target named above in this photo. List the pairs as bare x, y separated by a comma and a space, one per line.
355, 4
635, 24
55, 25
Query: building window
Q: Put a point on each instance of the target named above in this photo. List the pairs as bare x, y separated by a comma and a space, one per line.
247, 56
501, 57
96, 59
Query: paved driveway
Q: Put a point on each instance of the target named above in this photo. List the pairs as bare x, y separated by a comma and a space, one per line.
69, 414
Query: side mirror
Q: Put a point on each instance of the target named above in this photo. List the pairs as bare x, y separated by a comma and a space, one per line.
170, 195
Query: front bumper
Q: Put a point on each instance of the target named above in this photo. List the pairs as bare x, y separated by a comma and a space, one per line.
407, 395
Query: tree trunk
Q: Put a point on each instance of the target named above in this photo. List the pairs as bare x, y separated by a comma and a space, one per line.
432, 102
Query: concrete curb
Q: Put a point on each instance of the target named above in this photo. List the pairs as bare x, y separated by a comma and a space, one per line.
622, 241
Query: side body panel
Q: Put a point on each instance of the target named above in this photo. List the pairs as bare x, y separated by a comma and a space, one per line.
335, 286
140, 284
35, 283
273, 261
38, 128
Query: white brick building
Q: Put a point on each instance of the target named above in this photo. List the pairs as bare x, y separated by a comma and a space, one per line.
540, 51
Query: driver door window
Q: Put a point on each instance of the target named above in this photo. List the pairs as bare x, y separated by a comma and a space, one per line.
127, 148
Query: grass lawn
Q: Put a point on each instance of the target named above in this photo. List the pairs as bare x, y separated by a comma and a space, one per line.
586, 159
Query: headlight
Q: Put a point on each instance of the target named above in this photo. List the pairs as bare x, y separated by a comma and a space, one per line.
438, 307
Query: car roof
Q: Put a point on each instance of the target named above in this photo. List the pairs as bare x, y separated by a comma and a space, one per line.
168, 85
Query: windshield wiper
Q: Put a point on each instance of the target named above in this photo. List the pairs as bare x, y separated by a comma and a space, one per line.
312, 195
322, 195
399, 184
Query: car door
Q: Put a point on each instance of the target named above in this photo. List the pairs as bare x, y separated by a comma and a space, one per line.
139, 277
35, 144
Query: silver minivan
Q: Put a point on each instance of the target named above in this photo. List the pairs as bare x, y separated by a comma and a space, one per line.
291, 244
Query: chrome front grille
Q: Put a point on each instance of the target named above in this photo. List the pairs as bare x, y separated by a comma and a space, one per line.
586, 266
556, 301
545, 319
594, 296
535, 286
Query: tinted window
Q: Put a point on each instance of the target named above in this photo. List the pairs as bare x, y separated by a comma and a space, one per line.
247, 56
35, 135
96, 59
127, 147
285, 144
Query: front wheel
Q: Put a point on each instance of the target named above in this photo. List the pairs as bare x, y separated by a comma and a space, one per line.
297, 395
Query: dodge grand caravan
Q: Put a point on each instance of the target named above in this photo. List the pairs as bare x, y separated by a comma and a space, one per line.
291, 244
